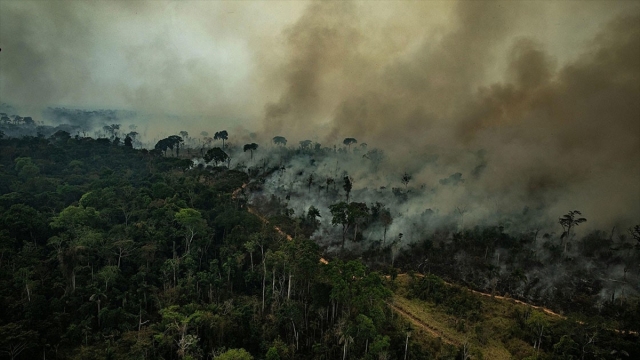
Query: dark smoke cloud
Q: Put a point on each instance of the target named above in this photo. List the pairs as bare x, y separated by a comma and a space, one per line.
560, 134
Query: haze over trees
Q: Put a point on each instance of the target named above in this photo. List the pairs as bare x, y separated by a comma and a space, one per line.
217, 155
444, 234
251, 148
568, 222
170, 142
221, 135
349, 141
176, 256
279, 140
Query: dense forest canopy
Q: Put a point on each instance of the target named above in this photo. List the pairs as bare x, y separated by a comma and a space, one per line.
109, 251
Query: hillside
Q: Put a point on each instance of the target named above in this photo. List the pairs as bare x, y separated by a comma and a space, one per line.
113, 252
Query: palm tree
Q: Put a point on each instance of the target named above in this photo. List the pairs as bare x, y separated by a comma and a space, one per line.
568, 221
251, 147
344, 338
221, 135
349, 141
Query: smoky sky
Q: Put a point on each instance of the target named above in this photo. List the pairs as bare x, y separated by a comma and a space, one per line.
547, 92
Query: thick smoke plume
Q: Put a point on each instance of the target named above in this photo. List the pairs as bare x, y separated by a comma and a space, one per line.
559, 131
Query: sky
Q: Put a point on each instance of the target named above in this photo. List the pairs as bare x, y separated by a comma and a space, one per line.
548, 91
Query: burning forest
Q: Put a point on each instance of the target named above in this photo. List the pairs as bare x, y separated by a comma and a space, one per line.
324, 176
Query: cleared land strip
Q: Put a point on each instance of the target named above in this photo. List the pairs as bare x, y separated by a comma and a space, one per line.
426, 327
407, 314
282, 233
548, 311
541, 308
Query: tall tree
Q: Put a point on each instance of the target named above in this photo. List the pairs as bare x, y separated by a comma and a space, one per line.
568, 222
310, 181
251, 147
347, 186
349, 141
340, 216
170, 142
537, 324
405, 179
386, 220
305, 144
216, 155
329, 182
358, 214
128, 142
176, 141
221, 135
192, 222
280, 140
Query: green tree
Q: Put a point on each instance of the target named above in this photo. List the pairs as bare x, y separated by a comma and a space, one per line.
75, 222
537, 324
170, 142
235, 354
216, 155
14, 339
26, 168
176, 326
192, 223
272, 354
566, 348
23, 222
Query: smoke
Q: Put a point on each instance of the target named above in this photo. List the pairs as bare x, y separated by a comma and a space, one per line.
160, 59
533, 103
556, 130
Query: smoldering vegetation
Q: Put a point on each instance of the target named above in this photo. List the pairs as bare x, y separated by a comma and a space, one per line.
440, 226
495, 155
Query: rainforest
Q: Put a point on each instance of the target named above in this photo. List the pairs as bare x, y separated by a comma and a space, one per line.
319, 180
